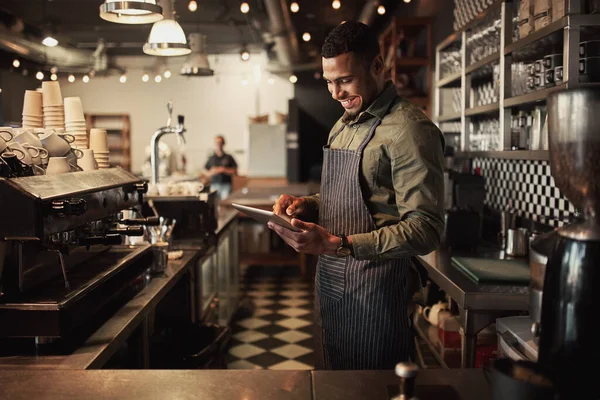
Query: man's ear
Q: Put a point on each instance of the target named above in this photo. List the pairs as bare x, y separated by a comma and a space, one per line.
377, 65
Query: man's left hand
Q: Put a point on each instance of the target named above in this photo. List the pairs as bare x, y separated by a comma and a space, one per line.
314, 239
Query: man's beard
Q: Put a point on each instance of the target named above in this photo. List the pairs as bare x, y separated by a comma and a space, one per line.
372, 90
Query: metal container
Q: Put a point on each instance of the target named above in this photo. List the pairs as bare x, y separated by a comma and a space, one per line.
160, 251
517, 241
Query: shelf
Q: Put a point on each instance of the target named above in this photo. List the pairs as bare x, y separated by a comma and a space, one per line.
412, 62
421, 326
533, 97
480, 110
537, 155
537, 35
450, 81
449, 117
481, 63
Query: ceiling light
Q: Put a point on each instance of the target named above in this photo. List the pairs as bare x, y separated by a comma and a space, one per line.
196, 64
16, 63
193, 6
157, 78
245, 55
294, 7
336, 4
85, 79
293, 78
317, 75
145, 78
39, 76
306, 37
123, 78
53, 77
49, 41
71, 78
244, 82
166, 36
381, 10
271, 81
407, 1
167, 74
131, 12
244, 8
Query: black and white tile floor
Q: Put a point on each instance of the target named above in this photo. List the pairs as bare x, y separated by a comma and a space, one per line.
274, 328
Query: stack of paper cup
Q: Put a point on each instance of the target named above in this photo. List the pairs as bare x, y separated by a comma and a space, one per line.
32, 110
75, 122
99, 143
54, 111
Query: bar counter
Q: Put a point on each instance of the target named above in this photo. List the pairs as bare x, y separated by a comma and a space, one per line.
237, 385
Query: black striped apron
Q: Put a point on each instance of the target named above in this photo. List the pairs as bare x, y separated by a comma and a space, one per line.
360, 306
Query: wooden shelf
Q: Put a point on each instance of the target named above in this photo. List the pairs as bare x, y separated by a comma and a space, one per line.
533, 97
449, 117
482, 63
536, 155
389, 42
536, 35
480, 110
450, 81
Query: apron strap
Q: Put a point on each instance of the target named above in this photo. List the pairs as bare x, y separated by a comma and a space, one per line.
335, 135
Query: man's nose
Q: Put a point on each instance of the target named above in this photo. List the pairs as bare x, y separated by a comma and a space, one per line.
337, 92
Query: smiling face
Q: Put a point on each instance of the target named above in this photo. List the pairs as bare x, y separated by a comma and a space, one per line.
352, 83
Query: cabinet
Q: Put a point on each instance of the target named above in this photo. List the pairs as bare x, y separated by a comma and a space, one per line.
481, 75
118, 129
406, 49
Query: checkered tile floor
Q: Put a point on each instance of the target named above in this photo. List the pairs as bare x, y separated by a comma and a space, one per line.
274, 328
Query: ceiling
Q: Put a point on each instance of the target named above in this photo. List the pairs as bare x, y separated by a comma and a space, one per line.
76, 23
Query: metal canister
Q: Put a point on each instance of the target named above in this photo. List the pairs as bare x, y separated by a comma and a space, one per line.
517, 242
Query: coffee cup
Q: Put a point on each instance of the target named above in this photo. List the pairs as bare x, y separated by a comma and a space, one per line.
6, 133
58, 165
57, 145
73, 155
14, 164
38, 154
27, 136
431, 314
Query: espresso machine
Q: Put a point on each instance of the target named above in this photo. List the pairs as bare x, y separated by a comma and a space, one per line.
63, 259
569, 342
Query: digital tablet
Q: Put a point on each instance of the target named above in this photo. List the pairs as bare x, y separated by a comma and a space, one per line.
265, 216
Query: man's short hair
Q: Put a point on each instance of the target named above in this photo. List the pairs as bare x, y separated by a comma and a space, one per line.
351, 37
220, 137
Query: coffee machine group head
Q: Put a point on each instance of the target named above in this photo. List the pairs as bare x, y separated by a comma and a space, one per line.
569, 328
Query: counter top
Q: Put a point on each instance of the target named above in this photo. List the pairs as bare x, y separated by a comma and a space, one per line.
471, 295
226, 215
432, 384
103, 343
156, 384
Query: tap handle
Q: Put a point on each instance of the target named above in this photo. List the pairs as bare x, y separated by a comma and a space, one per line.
180, 119
407, 372
128, 231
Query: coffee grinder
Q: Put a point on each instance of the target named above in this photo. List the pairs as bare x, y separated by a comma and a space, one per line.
570, 327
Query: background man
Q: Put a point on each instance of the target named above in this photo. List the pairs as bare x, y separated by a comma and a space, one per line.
221, 168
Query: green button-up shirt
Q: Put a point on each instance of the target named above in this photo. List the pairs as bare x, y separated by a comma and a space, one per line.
401, 178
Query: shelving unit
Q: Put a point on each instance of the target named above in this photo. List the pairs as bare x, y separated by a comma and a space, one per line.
412, 63
568, 29
118, 129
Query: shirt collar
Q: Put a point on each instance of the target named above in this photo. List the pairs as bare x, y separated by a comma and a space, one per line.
380, 106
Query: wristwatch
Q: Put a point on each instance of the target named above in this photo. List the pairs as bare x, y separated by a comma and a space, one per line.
344, 250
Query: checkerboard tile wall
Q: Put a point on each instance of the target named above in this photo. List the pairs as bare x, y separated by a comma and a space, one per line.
525, 186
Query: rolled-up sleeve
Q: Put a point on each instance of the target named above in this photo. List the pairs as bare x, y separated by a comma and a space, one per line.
416, 157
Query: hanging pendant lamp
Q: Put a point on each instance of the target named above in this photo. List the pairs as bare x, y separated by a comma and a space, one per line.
166, 37
131, 12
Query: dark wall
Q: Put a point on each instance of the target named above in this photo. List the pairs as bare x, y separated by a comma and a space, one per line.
317, 112
13, 87
442, 12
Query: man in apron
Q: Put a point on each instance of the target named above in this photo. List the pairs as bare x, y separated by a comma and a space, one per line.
381, 203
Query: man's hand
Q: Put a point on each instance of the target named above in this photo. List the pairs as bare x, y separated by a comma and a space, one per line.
313, 239
291, 206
